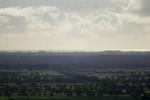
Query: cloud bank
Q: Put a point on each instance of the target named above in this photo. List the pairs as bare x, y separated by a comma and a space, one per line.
99, 28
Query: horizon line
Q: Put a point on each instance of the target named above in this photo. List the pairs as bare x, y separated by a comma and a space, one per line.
107, 50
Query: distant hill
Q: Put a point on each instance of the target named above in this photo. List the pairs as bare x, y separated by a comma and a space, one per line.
75, 60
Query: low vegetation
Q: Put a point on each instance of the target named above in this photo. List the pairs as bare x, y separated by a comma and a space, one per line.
64, 85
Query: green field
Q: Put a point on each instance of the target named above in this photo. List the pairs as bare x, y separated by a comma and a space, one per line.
72, 98
83, 85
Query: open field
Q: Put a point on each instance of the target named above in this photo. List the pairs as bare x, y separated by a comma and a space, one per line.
75, 76
71, 98
94, 85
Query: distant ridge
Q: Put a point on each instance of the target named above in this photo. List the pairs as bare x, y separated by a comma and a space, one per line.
105, 51
48, 60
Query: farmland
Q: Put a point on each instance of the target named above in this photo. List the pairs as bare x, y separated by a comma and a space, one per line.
72, 76
59, 85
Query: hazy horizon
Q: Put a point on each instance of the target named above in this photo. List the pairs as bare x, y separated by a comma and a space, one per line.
75, 51
74, 25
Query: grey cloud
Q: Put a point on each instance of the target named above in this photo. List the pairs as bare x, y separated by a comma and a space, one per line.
134, 29
144, 9
77, 6
51, 20
14, 25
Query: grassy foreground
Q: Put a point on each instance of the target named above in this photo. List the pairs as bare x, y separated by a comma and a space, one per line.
71, 98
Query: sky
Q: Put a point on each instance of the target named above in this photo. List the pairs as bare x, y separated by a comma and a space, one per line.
88, 25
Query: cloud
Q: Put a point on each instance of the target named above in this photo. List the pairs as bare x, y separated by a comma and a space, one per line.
3, 20
51, 20
145, 9
74, 24
139, 7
